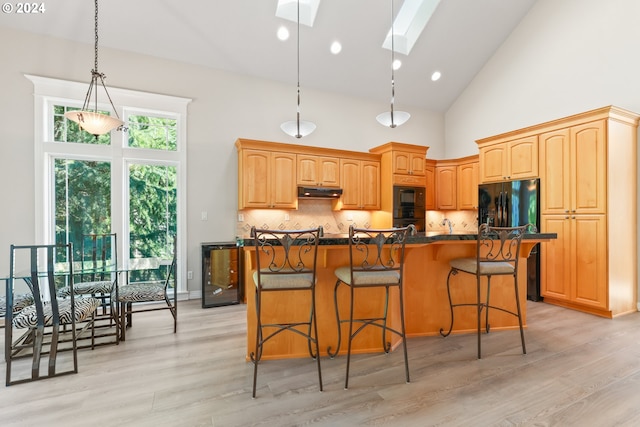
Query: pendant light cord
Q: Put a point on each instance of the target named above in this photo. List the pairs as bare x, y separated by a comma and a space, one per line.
95, 75
96, 38
298, 69
393, 92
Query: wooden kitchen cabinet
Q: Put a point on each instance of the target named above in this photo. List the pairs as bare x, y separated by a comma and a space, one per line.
575, 161
588, 197
319, 171
467, 185
267, 179
574, 266
430, 179
509, 160
360, 184
446, 187
408, 163
456, 184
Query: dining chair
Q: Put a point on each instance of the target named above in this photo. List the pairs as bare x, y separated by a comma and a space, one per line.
20, 301
50, 322
376, 260
96, 276
497, 254
285, 262
138, 295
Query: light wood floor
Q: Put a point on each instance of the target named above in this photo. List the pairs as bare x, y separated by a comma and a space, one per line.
580, 370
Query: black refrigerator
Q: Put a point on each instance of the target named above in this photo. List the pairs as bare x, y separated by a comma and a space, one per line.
513, 204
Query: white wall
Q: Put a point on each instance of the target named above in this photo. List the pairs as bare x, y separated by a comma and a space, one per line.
225, 107
565, 57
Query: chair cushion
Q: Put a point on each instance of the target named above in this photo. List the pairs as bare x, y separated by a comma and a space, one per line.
469, 265
20, 301
285, 281
141, 292
84, 308
87, 288
371, 277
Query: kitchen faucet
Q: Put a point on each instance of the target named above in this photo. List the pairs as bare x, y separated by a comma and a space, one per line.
446, 221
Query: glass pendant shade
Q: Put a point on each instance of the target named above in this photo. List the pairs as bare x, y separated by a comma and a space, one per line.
93, 122
398, 118
298, 128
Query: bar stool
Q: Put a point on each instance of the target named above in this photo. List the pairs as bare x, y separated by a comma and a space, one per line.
376, 259
288, 264
497, 254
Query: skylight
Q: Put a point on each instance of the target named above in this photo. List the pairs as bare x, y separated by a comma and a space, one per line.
288, 9
409, 23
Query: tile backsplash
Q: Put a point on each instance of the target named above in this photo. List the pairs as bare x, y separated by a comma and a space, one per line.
461, 221
312, 213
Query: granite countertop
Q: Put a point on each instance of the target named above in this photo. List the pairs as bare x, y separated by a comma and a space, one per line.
431, 237
420, 238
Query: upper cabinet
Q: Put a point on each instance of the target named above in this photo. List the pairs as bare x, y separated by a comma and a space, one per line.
430, 179
456, 184
402, 164
508, 160
468, 175
446, 187
575, 161
318, 171
360, 184
266, 179
408, 162
269, 174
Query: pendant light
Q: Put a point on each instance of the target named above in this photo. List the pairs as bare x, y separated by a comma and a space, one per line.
392, 118
90, 119
297, 127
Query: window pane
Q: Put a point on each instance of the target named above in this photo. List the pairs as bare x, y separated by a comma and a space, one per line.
152, 219
82, 200
153, 132
64, 130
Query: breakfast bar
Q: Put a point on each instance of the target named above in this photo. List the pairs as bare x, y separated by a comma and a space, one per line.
426, 303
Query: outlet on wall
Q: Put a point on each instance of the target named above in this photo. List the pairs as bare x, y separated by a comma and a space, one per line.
286, 217
190, 275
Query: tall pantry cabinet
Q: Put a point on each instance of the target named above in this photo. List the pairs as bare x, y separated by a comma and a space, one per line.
589, 198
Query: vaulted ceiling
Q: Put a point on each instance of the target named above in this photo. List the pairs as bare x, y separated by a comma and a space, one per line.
240, 36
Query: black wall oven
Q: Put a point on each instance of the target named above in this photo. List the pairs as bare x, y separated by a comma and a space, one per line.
409, 206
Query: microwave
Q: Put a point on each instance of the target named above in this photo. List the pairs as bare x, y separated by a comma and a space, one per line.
409, 206
413, 197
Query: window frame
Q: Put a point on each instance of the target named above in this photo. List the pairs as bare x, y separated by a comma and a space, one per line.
49, 92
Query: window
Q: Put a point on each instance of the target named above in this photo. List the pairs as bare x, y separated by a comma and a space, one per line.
131, 183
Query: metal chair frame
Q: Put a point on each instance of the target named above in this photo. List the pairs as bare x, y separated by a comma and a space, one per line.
289, 268
102, 267
126, 308
497, 254
381, 252
46, 336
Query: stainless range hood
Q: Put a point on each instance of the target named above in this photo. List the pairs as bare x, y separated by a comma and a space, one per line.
319, 193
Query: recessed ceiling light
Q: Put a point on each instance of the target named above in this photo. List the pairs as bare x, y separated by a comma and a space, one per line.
436, 76
283, 33
397, 64
336, 47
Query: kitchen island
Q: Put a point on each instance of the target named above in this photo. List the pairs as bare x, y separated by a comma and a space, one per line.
427, 309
